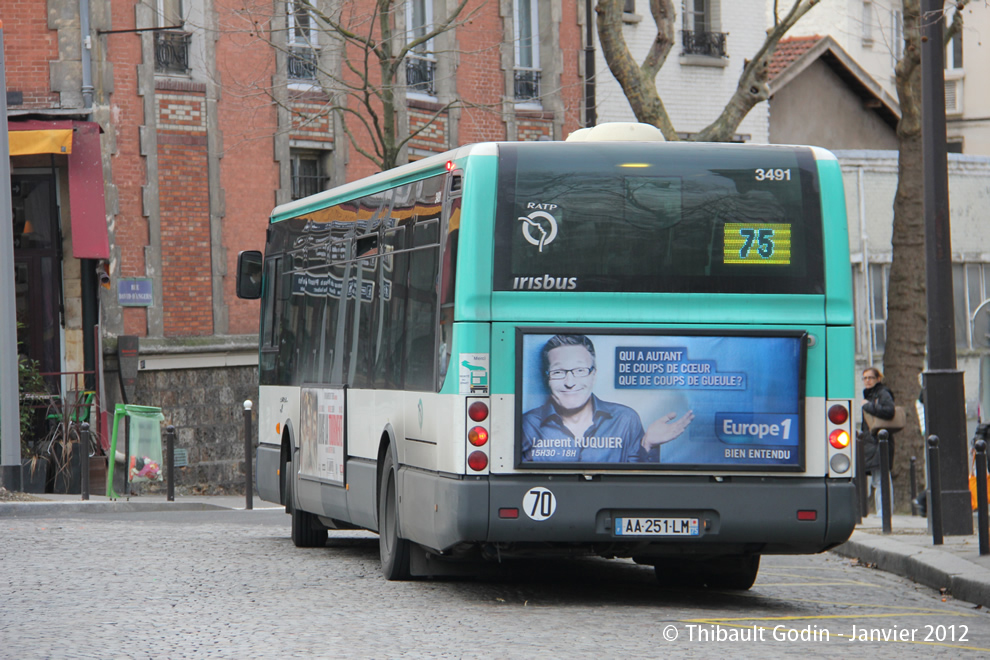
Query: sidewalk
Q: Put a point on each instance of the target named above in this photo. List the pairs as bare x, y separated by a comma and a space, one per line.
955, 566
50, 504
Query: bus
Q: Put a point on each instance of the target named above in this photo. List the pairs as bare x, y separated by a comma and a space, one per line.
611, 346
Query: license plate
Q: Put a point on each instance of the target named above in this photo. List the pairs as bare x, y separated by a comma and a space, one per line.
656, 527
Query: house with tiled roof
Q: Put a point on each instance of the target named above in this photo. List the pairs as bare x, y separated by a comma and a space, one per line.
820, 95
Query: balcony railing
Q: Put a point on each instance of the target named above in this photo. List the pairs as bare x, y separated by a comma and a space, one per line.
710, 44
527, 84
172, 51
302, 63
421, 75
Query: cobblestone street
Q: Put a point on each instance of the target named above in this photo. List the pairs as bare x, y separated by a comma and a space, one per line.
230, 584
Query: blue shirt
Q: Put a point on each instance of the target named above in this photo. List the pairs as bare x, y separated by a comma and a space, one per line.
614, 436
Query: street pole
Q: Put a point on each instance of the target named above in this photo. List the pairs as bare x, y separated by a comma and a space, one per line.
590, 116
945, 412
10, 424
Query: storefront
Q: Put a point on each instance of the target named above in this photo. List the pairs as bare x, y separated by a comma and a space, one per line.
60, 242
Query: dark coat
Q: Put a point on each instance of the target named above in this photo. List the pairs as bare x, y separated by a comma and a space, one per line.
878, 401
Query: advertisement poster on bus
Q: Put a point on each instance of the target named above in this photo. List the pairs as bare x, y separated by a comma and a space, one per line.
686, 401
321, 436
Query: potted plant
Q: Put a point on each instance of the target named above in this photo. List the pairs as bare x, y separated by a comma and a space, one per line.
34, 465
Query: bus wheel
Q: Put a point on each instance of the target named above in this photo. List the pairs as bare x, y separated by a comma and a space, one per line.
393, 549
735, 572
307, 532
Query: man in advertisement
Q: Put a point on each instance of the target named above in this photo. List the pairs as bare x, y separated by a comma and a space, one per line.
575, 426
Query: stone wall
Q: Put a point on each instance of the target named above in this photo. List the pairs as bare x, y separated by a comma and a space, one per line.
206, 407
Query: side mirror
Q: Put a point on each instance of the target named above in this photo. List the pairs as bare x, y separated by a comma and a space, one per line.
250, 264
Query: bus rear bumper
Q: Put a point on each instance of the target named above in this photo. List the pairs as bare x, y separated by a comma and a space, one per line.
738, 515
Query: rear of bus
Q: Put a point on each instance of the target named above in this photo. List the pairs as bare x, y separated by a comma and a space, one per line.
668, 333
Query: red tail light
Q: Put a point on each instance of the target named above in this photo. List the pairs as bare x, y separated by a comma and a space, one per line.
839, 438
838, 414
807, 514
478, 436
478, 411
477, 461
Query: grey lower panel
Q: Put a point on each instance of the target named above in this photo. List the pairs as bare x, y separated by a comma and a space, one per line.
736, 515
267, 479
754, 514
362, 496
440, 511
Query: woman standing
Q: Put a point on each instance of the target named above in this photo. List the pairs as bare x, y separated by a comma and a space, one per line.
878, 401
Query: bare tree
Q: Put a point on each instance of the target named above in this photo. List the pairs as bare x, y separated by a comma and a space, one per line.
638, 81
362, 74
907, 313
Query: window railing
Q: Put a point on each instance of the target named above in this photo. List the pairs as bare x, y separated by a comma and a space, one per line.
527, 84
421, 74
304, 185
172, 51
302, 63
710, 44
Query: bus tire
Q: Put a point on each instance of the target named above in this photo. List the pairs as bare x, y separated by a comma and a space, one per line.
734, 572
737, 572
307, 532
393, 549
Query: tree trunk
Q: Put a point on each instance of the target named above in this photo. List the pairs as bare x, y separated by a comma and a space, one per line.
907, 314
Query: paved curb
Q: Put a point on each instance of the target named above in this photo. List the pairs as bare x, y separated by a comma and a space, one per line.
928, 566
43, 509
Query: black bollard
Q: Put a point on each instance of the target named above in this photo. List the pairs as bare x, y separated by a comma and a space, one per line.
861, 488
885, 509
248, 471
84, 460
934, 490
170, 462
914, 487
981, 496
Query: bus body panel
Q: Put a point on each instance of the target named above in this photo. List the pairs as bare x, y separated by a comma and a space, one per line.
681, 308
474, 250
841, 342
838, 267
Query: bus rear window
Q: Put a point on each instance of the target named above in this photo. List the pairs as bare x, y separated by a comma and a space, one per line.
656, 217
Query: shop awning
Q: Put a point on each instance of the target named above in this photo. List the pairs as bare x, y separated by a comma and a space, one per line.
51, 141
80, 142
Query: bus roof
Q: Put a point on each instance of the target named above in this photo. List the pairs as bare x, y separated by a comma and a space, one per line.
437, 164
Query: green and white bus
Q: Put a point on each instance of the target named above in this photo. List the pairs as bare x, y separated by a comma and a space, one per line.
623, 348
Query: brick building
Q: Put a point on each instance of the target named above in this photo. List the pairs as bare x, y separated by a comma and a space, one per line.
150, 140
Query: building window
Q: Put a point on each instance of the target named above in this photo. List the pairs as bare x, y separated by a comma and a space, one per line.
867, 24
971, 292
308, 172
630, 7
971, 289
302, 41
171, 41
954, 52
527, 51
421, 66
700, 35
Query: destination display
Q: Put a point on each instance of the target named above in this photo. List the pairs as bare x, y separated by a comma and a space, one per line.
661, 401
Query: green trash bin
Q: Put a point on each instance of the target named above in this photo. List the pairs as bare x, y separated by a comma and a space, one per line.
144, 444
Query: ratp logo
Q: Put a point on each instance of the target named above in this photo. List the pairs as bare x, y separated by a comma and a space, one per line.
540, 223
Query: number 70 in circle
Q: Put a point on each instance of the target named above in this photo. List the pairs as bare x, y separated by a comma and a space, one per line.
539, 503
